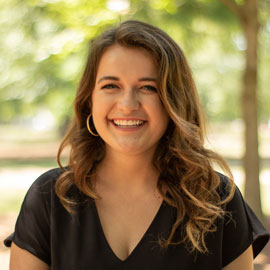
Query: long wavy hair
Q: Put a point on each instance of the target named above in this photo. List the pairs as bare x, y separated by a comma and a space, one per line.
185, 165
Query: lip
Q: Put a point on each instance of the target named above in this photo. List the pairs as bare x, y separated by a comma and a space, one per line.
127, 128
127, 119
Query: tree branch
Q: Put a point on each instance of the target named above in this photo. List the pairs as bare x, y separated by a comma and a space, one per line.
236, 9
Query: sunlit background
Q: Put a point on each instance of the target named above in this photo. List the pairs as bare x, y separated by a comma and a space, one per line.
43, 46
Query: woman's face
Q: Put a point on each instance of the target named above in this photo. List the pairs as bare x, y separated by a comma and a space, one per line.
127, 112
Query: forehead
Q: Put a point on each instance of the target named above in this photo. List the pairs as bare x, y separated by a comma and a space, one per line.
117, 58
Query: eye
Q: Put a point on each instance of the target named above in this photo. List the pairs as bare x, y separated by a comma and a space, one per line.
149, 88
109, 86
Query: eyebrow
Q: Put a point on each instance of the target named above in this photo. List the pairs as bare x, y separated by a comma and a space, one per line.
113, 78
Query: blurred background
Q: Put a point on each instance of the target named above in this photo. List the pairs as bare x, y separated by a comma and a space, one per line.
43, 47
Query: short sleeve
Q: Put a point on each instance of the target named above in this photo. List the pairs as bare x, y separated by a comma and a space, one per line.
32, 229
241, 229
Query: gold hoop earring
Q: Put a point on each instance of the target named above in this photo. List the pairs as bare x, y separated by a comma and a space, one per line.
88, 125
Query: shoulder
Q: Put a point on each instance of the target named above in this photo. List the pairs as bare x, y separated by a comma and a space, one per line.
42, 189
33, 226
231, 194
226, 187
46, 181
240, 224
49, 177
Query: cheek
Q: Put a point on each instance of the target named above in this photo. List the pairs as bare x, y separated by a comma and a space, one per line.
97, 103
101, 107
163, 117
96, 108
159, 111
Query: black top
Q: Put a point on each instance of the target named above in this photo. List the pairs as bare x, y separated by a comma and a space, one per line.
67, 242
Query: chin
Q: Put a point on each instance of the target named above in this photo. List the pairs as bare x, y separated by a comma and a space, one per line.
129, 150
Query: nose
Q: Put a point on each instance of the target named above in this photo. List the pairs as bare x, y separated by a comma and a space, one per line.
128, 101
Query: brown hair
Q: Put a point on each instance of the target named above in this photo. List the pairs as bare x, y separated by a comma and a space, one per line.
185, 165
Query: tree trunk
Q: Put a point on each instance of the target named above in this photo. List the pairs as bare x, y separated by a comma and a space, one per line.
250, 114
248, 17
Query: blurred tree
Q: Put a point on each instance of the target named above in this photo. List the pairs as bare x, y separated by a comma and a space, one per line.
42, 52
44, 46
247, 13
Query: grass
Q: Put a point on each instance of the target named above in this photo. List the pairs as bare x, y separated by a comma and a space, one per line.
24, 163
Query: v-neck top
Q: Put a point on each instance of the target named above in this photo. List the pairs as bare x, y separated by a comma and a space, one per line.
77, 242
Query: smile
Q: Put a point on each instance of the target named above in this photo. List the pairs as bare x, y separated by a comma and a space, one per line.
128, 123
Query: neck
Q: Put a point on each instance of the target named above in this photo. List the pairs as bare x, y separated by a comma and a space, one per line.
124, 174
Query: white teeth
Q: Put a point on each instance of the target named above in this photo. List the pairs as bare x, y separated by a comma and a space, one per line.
128, 122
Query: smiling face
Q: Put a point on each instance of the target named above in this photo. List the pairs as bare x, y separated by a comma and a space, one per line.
127, 112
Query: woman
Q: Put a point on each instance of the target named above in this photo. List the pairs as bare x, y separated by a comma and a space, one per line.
140, 190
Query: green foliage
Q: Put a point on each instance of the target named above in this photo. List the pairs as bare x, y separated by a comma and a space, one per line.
44, 46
